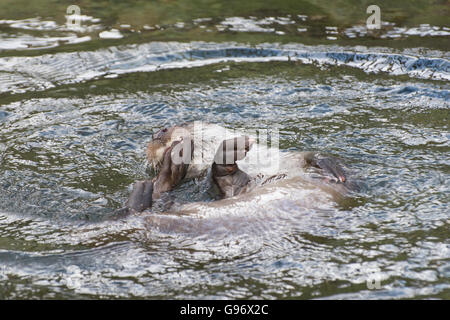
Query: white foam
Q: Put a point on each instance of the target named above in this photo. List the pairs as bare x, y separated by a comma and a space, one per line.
112, 34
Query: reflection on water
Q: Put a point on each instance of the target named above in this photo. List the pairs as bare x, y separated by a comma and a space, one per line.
73, 130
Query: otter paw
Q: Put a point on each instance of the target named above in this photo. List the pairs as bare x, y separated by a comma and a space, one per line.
232, 150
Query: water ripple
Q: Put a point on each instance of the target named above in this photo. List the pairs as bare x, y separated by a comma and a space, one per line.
23, 74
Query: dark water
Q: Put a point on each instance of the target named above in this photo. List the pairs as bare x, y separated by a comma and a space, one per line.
74, 123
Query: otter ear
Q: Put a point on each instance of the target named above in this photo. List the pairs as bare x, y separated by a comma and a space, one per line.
232, 150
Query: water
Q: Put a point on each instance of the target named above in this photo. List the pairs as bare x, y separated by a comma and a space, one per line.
74, 123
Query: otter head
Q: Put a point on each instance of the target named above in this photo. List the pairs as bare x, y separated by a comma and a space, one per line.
162, 140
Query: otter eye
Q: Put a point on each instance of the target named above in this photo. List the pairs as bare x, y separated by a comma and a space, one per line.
158, 134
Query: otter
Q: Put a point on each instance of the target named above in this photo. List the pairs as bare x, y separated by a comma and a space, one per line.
223, 157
